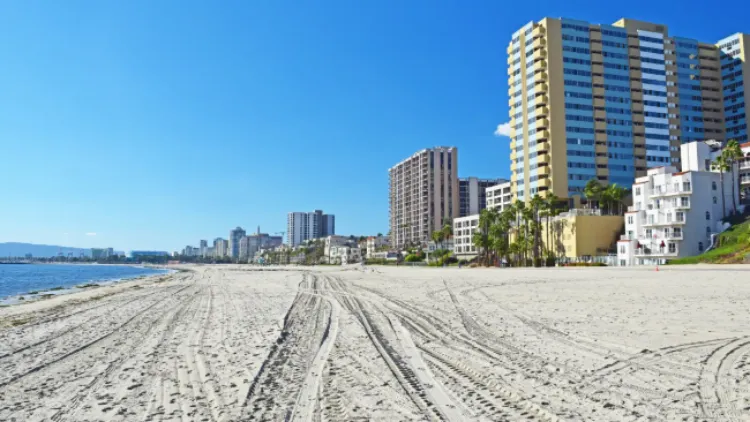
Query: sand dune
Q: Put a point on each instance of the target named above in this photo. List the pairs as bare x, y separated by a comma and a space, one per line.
229, 343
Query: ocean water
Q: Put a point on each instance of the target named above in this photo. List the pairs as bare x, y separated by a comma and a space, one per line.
17, 279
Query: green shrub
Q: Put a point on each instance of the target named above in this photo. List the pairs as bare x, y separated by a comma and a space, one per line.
414, 258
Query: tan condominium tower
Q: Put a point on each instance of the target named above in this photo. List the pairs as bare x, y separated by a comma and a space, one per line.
606, 102
423, 194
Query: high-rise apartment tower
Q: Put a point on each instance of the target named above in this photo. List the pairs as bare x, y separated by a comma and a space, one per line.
607, 102
423, 195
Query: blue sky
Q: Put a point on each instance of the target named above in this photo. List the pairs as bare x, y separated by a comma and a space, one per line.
145, 124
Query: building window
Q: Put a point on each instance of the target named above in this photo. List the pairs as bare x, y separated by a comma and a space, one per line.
708, 231
686, 186
648, 233
672, 248
715, 200
622, 249
684, 201
677, 232
713, 185
630, 219
637, 191
708, 215
680, 216
700, 246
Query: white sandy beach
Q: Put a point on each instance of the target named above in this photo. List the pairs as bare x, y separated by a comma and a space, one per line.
227, 343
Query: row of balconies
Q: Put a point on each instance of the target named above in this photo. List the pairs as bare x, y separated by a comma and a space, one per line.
670, 235
658, 251
670, 190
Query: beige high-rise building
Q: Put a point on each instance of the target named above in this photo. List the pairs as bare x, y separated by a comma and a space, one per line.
423, 195
607, 102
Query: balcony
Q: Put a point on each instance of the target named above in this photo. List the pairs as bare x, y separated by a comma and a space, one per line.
670, 190
664, 222
543, 159
543, 134
657, 252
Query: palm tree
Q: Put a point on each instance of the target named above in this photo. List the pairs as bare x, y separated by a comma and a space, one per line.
499, 236
593, 191
733, 154
481, 239
437, 237
537, 203
613, 195
552, 203
447, 231
720, 163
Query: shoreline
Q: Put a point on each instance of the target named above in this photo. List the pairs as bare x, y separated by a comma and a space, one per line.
33, 296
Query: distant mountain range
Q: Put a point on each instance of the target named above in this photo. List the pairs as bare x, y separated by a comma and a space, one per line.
15, 249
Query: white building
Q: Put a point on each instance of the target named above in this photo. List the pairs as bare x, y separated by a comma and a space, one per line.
376, 242
203, 248
744, 175
473, 195
333, 242
463, 233
344, 255
302, 226
221, 247
675, 214
423, 194
499, 196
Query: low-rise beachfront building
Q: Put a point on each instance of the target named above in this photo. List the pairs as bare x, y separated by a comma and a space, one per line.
499, 196
744, 174
345, 255
463, 233
335, 241
374, 243
676, 213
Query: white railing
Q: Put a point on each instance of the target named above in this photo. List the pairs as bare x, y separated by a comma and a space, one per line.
656, 236
655, 252
670, 190
663, 222
583, 211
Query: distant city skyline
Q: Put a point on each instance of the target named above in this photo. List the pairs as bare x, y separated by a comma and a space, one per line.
123, 129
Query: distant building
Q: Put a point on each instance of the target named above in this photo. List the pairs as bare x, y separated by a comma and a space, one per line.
499, 196
234, 242
141, 254
191, 251
220, 247
101, 253
203, 248
345, 255
423, 194
376, 242
334, 242
302, 226
472, 194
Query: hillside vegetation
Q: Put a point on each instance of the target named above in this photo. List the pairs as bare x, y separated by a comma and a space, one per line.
734, 246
